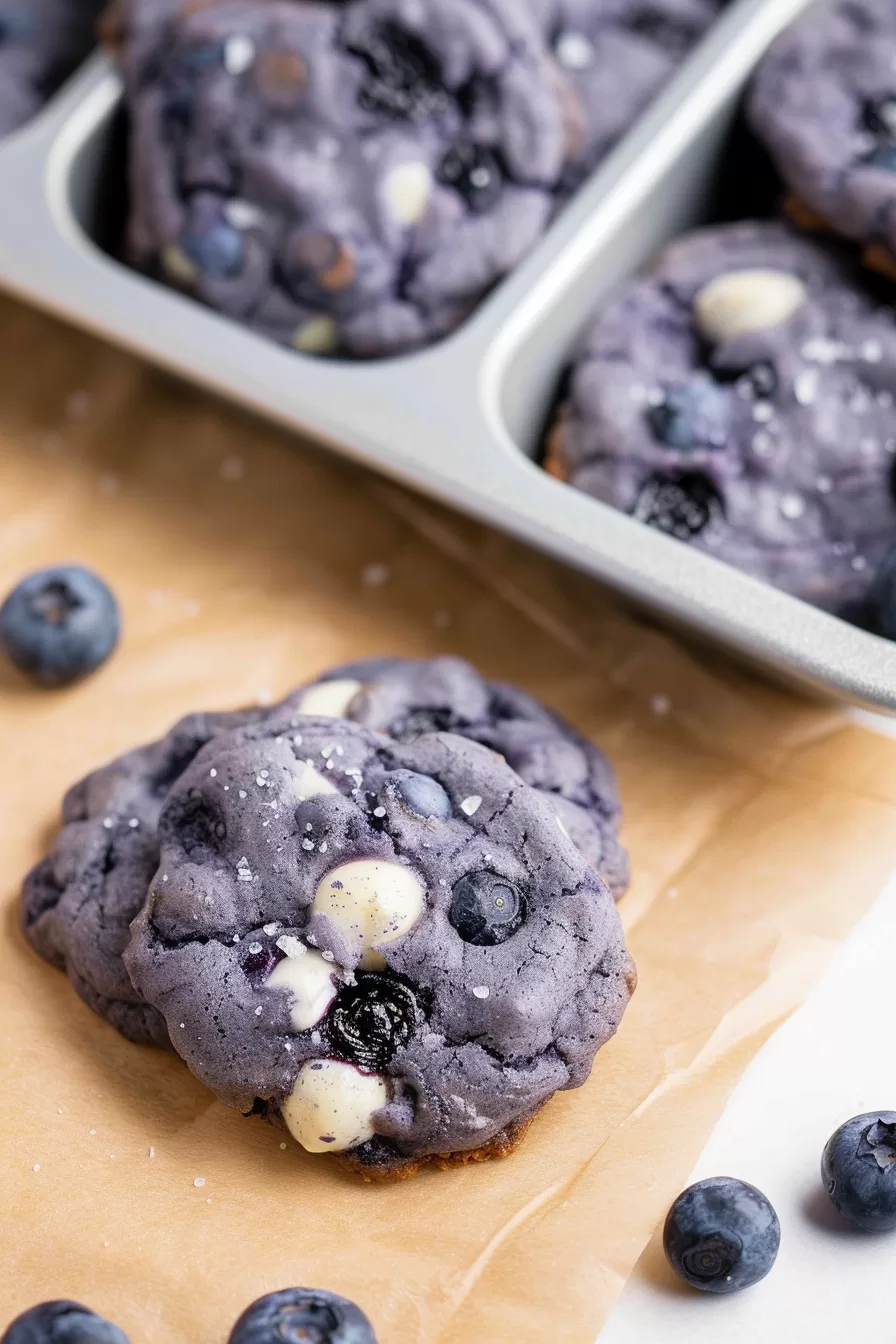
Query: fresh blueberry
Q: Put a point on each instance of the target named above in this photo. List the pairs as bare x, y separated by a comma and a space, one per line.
404, 80
858, 1167
62, 1323
59, 624
884, 157
486, 909
302, 1316
721, 1235
691, 416
217, 249
882, 597
683, 506
372, 1020
422, 794
417, 722
475, 173
879, 116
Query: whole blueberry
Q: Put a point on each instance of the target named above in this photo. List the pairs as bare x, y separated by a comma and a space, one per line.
486, 909
721, 1235
858, 1167
422, 794
882, 597
474, 173
883, 156
62, 1323
302, 1316
217, 248
690, 417
59, 624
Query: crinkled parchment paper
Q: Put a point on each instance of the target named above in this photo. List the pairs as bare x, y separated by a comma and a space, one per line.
760, 828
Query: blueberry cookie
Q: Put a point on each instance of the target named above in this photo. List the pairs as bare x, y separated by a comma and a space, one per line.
407, 697
41, 43
740, 397
824, 103
617, 54
78, 903
345, 178
391, 946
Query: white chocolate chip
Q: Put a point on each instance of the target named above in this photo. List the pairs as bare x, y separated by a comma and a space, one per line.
332, 1105
317, 336
406, 190
741, 302
239, 53
309, 980
309, 783
330, 699
370, 901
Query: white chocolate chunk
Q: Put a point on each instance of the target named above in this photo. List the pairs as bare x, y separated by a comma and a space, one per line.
310, 783
330, 699
406, 190
177, 265
370, 901
317, 336
332, 1105
741, 302
309, 980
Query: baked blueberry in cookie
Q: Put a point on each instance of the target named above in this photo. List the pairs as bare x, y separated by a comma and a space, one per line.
345, 178
303, 1314
407, 697
824, 103
617, 54
77, 903
41, 43
390, 945
740, 397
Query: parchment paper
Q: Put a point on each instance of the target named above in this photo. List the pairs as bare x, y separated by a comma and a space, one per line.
760, 828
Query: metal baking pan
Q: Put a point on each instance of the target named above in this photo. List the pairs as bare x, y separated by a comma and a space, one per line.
461, 420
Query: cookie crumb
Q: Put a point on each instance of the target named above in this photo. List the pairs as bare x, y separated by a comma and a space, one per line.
199, 1182
660, 705
375, 575
36, 1167
233, 468
152, 1151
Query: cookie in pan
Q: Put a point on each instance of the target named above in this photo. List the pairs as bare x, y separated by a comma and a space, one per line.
406, 697
41, 43
618, 54
824, 104
740, 397
345, 178
391, 946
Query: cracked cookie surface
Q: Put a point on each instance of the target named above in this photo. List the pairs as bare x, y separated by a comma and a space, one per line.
406, 697
392, 945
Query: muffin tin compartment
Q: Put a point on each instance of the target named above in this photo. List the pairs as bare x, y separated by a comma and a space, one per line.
452, 420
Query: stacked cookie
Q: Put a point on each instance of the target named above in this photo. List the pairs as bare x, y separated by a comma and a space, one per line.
351, 179
741, 397
362, 912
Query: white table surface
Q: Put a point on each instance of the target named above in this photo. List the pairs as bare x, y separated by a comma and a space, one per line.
836, 1057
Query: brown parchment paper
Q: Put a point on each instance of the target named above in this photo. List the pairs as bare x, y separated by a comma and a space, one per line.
760, 829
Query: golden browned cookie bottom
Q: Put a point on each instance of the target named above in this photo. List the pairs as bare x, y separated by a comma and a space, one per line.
875, 256
502, 1145
553, 461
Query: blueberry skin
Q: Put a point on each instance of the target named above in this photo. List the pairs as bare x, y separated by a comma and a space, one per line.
486, 909
303, 1316
691, 416
59, 624
422, 794
62, 1323
218, 250
858, 1167
721, 1235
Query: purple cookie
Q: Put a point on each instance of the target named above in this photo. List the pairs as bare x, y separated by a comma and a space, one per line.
41, 43
618, 54
392, 945
345, 178
824, 102
407, 697
740, 397
77, 903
